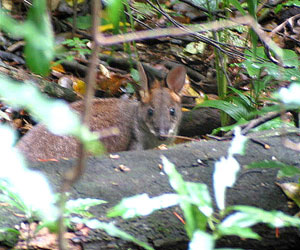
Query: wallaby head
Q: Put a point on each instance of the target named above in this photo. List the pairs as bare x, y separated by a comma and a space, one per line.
159, 111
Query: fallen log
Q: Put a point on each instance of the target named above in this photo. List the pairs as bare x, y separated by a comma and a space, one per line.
195, 162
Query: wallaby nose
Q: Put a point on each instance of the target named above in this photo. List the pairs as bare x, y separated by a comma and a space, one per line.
163, 134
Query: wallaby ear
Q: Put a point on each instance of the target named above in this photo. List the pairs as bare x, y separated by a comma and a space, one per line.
143, 77
176, 78
143, 93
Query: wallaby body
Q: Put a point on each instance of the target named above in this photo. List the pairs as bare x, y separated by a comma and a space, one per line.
142, 124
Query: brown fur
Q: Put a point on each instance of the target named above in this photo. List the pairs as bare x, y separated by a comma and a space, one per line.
39, 143
138, 129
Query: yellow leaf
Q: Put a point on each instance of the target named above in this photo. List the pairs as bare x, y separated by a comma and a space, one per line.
7, 5
110, 26
58, 67
79, 86
71, 2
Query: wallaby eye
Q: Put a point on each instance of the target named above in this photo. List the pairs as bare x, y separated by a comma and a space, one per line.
150, 111
172, 111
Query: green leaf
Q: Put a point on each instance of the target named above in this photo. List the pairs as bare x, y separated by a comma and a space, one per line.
245, 98
238, 143
285, 170
198, 195
252, 66
236, 112
112, 230
224, 176
195, 48
191, 213
36, 199
39, 48
9, 236
292, 3
211, 5
226, 168
238, 231
115, 11
290, 58
230, 127
10, 25
253, 69
271, 218
12, 198
143, 9
142, 205
135, 75
273, 124
238, 224
290, 95
48, 111
260, 84
201, 240
239, 7
82, 22
79, 206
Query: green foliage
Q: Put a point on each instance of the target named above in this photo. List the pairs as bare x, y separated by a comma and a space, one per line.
239, 6
249, 216
28, 190
284, 169
195, 201
273, 124
230, 127
226, 168
48, 111
241, 107
81, 206
112, 230
135, 206
78, 45
14, 199
9, 236
115, 9
289, 58
85, 22
37, 199
234, 108
195, 48
35, 29
82, 22
143, 9
208, 4
202, 240
286, 3
290, 96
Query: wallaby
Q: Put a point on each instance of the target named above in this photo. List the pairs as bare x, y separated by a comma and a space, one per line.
142, 124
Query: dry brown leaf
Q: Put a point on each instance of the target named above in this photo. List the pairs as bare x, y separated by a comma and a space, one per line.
112, 156
123, 168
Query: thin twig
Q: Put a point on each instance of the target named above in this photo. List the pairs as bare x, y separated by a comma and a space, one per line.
256, 122
72, 176
75, 3
163, 32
